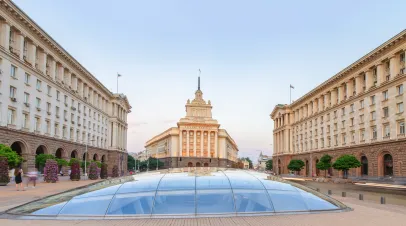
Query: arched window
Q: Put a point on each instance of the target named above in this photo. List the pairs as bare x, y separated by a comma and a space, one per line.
190, 164
387, 165
364, 166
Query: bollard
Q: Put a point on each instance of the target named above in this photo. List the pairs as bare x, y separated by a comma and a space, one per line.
344, 194
317, 189
383, 200
361, 197
330, 192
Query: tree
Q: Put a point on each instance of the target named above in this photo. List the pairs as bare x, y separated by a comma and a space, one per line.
324, 164
13, 159
296, 165
269, 165
61, 162
153, 162
345, 163
249, 160
99, 164
131, 162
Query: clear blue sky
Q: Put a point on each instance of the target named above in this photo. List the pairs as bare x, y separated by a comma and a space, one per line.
249, 52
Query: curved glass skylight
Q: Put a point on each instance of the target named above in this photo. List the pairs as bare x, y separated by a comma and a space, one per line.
203, 192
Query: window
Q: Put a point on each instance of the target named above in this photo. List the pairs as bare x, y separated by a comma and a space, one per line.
344, 138
48, 107
373, 115
66, 100
352, 108
336, 139
343, 124
385, 112
65, 115
399, 89
374, 132
401, 127
352, 136
73, 103
38, 102
64, 131
343, 111
328, 117
25, 120
400, 107
335, 114
386, 130
13, 71
361, 118
352, 121
13, 92
26, 98
361, 103
57, 111
335, 126
58, 95
385, 95
72, 117
79, 107
49, 90
362, 135
372, 100
11, 114
39, 85
27, 78
48, 124
37, 125
56, 130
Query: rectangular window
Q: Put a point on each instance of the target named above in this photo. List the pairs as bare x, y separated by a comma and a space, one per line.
352, 136
26, 98
37, 125
65, 115
335, 126
372, 100
361, 103
58, 95
25, 120
13, 71
336, 139
401, 127
57, 111
352, 121
11, 114
386, 130
56, 129
361, 118
343, 111
27, 78
374, 132
400, 107
373, 115
362, 134
385, 112
72, 117
385, 95
399, 89
66, 99
13, 92
49, 90
343, 124
48, 127
335, 114
352, 108
48, 107
39, 85
38, 102
344, 138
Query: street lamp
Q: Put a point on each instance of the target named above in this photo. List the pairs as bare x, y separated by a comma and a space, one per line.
146, 153
86, 158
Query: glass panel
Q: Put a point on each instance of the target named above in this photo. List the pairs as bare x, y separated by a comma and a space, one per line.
287, 201
137, 203
51, 210
215, 201
275, 185
215, 181
177, 183
174, 202
87, 206
105, 191
141, 185
252, 201
243, 180
317, 203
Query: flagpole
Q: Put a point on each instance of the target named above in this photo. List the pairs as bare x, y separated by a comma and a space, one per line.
117, 82
290, 94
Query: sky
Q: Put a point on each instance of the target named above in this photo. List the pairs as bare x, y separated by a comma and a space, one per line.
249, 53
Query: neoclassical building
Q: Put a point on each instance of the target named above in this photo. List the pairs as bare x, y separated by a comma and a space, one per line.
197, 141
50, 103
359, 111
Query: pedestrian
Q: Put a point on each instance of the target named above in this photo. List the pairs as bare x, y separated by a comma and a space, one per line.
18, 173
32, 176
11, 174
69, 171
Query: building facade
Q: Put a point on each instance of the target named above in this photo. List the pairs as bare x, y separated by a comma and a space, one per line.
359, 111
262, 159
49, 103
197, 141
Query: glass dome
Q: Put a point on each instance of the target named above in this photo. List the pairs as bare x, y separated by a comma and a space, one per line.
194, 193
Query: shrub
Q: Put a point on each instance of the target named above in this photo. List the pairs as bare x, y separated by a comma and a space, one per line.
93, 171
51, 171
61, 162
103, 172
41, 159
115, 171
296, 165
13, 159
99, 164
4, 178
75, 169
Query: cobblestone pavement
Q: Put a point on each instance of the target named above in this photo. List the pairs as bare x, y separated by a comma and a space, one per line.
10, 198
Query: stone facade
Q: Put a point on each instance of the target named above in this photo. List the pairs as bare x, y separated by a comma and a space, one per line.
49, 100
197, 139
359, 111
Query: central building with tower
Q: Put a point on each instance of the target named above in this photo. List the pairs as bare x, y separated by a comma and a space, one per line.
197, 141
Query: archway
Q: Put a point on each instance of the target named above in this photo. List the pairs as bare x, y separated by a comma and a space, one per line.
307, 168
18, 147
95, 157
317, 170
206, 164
74, 154
103, 159
364, 166
387, 165
190, 164
40, 150
59, 153
198, 164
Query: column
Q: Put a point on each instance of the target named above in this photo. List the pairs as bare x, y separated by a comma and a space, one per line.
75, 82
194, 143
52, 69
60, 72
370, 79
321, 103
394, 66
180, 142
20, 45
32, 54
201, 143
315, 106
43, 62
327, 99
290, 140
350, 88
115, 130
187, 143
215, 144
340, 93
359, 84
5, 35
380, 74
208, 144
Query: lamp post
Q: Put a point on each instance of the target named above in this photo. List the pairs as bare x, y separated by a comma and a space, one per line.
86, 159
146, 153
135, 163
156, 156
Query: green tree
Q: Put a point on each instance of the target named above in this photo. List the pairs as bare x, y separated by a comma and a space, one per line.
153, 162
61, 162
13, 158
99, 164
324, 164
345, 163
269, 165
41, 159
296, 165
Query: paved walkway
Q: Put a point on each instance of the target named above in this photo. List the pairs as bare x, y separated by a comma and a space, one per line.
10, 198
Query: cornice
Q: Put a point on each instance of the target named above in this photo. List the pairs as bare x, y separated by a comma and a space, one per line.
372, 55
19, 16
